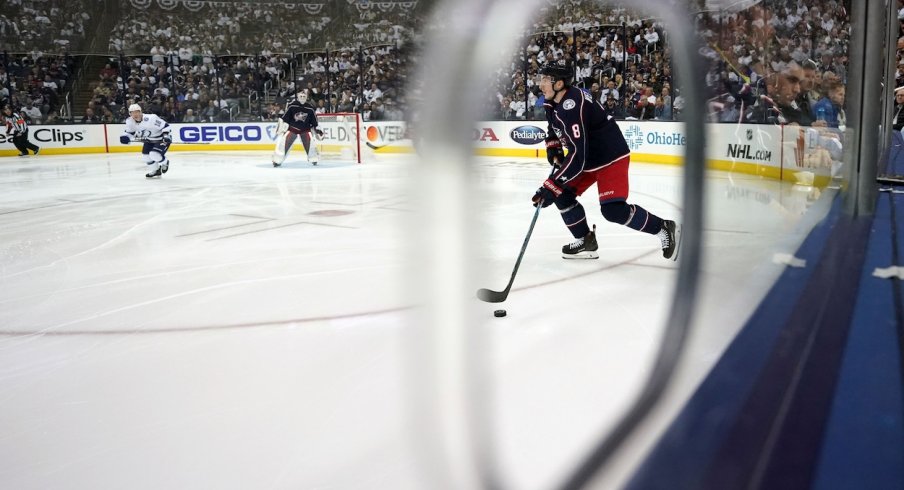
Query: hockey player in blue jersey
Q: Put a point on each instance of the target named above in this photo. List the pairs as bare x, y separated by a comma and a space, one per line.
298, 122
597, 153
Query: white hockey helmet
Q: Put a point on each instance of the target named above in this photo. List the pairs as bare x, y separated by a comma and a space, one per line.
134, 107
302, 96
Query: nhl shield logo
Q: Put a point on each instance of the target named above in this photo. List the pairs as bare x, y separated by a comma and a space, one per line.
749, 135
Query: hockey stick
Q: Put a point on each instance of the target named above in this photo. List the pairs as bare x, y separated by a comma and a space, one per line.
373, 146
176, 142
491, 296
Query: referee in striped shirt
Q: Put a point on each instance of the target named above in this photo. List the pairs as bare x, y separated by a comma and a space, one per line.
16, 125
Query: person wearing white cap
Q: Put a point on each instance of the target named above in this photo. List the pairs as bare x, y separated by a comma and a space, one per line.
154, 132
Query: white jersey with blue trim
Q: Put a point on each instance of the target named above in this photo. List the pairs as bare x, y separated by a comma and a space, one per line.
151, 128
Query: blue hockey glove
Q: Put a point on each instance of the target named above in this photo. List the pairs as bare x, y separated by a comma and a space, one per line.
554, 153
547, 193
125, 139
319, 132
167, 138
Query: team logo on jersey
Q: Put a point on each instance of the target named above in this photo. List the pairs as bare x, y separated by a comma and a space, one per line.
568, 104
301, 116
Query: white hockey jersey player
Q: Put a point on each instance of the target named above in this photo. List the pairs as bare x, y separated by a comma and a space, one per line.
154, 132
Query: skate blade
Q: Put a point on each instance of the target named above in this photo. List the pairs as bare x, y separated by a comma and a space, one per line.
582, 255
674, 257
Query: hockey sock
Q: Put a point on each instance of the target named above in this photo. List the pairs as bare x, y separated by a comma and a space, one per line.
645, 221
632, 216
576, 220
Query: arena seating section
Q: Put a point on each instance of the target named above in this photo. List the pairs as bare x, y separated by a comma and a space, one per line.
235, 61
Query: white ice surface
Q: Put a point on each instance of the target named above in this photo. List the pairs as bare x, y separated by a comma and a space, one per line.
236, 326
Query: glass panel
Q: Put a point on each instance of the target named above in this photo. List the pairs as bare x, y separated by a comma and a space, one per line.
523, 393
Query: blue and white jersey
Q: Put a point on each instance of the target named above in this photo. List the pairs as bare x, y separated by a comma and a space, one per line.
151, 128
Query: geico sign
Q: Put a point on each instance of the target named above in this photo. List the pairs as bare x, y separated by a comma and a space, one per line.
50, 135
190, 134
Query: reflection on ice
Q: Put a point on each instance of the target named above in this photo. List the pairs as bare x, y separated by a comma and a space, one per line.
232, 306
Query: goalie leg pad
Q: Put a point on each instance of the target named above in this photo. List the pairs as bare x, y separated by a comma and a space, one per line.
310, 148
283, 145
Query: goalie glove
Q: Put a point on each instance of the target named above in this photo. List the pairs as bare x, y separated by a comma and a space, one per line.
554, 153
319, 132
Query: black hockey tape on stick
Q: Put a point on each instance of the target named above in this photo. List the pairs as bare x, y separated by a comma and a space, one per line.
375, 147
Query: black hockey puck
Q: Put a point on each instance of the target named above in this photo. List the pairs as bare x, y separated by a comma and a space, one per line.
499, 313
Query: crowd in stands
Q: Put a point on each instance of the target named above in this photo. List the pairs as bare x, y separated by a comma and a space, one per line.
783, 64
33, 77
625, 62
242, 61
228, 29
620, 58
45, 25
35, 83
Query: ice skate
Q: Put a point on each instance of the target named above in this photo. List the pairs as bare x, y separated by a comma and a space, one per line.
158, 173
164, 166
313, 161
582, 248
670, 237
276, 164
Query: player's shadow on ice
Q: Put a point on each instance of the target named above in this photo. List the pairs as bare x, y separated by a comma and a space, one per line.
304, 165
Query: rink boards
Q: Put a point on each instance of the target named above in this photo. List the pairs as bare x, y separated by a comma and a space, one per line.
776, 152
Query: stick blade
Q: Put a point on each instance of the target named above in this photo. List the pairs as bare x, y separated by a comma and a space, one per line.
490, 296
